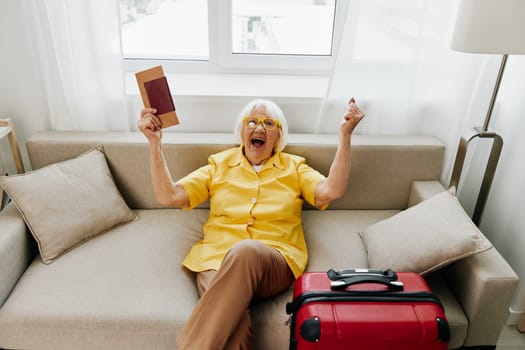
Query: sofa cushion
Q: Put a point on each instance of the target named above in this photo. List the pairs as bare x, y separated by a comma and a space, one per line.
125, 289
383, 167
92, 298
66, 203
425, 237
332, 237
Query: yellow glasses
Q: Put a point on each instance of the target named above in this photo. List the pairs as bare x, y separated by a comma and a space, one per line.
269, 124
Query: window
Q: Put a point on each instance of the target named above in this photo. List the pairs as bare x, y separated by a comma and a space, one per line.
159, 29
232, 35
272, 27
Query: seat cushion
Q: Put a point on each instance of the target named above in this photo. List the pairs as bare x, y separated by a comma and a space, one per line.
333, 240
125, 289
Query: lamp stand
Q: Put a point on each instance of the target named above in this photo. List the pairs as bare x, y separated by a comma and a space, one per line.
492, 162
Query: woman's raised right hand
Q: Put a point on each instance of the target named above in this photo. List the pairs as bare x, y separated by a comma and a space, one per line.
150, 124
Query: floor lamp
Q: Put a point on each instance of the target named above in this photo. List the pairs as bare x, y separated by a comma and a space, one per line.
490, 27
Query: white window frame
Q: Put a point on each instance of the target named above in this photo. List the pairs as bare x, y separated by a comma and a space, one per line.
222, 60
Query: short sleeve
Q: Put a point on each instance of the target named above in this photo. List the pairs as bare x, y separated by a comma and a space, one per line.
309, 178
197, 185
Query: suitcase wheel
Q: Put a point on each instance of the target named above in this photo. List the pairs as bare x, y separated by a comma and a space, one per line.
311, 329
443, 330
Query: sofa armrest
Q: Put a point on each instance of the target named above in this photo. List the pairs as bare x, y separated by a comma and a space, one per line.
422, 190
484, 284
17, 249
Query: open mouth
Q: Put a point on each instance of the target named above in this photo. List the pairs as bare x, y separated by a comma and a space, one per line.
257, 142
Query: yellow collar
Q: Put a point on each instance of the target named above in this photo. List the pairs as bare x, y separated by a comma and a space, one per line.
239, 159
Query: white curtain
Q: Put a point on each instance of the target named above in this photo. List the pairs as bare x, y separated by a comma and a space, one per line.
395, 60
68, 63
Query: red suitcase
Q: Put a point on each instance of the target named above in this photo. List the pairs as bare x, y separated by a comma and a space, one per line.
366, 309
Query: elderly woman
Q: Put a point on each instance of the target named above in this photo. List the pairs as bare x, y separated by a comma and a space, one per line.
253, 245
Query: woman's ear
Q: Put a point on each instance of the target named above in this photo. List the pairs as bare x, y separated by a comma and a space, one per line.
278, 141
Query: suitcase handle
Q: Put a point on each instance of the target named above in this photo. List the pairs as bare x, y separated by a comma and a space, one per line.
343, 274
344, 283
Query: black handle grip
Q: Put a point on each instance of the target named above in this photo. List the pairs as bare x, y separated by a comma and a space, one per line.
344, 274
344, 283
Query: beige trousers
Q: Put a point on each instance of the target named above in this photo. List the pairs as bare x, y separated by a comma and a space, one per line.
221, 318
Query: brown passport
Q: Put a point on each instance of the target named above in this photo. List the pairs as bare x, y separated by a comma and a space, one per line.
155, 93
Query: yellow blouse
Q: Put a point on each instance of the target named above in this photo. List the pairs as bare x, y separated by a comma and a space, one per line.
265, 206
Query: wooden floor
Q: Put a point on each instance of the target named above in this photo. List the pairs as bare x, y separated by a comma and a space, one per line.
511, 339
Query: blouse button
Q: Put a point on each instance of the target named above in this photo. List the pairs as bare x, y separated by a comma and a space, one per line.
250, 222
254, 200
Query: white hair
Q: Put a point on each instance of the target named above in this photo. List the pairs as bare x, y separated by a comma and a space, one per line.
273, 111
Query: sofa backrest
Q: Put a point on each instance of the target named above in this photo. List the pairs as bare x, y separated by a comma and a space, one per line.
383, 167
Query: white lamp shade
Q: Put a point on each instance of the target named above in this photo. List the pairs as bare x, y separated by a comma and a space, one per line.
490, 26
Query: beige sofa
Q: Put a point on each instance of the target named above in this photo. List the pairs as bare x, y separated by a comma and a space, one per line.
126, 289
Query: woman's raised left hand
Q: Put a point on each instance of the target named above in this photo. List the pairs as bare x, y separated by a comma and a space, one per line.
353, 116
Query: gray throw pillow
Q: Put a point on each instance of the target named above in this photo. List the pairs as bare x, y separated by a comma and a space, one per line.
425, 237
67, 203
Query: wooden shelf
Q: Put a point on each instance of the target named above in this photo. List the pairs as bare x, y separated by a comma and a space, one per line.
7, 130
4, 131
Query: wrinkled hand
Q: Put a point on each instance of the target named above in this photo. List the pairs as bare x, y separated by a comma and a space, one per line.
353, 116
150, 124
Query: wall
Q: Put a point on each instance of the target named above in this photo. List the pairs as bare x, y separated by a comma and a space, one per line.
20, 88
